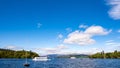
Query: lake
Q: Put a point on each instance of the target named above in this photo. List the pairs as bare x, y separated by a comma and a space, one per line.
62, 63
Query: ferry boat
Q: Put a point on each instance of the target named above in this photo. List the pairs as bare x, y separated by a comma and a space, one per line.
41, 58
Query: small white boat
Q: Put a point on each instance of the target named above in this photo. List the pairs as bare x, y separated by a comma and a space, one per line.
72, 57
41, 58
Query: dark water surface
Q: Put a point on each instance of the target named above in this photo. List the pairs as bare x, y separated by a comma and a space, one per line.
62, 63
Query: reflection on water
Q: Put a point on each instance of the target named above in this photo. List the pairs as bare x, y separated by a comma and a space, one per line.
62, 63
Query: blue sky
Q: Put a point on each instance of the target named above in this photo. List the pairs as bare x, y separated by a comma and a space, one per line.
60, 26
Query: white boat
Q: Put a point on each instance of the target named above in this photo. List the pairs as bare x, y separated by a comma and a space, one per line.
72, 57
41, 58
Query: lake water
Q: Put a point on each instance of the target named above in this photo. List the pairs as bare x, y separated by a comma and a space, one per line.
62, 63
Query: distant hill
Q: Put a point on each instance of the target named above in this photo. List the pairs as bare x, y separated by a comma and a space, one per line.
72, 55
7, 53
115, 55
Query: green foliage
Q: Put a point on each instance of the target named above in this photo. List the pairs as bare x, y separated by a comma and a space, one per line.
115, 54
6, 53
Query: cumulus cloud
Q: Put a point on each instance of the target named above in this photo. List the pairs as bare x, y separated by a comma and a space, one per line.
83, 26
114, 12
79, 38
97, 30
85, 37
55, 50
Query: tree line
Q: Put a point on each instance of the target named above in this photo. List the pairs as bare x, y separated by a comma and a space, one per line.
7, 53
115, 54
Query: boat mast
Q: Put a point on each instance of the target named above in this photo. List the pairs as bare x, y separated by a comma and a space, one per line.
26, 56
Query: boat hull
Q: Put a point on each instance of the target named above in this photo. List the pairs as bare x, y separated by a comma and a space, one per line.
41, 59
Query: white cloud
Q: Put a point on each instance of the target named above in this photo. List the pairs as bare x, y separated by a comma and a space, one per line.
61, 46
85, 37
68, 29
12, 47
114, 12
61, 49
97, 30
79, 38
88, 51
109, 41
50, 50
118, 48
54, 50
83, 26
112, 43
39, 25
118, 31
60, 36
